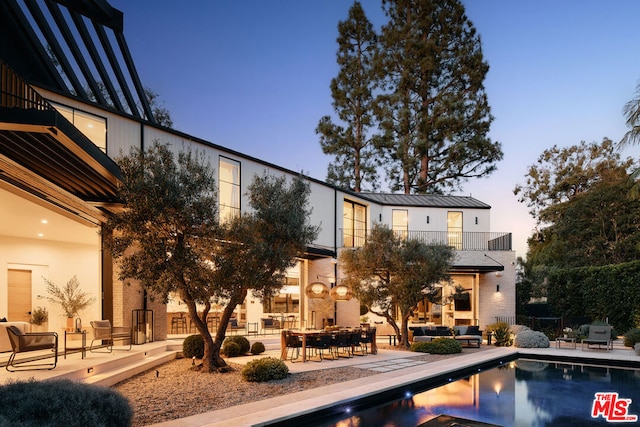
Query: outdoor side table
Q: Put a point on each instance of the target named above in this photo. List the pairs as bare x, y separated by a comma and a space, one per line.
570, 340
83, 338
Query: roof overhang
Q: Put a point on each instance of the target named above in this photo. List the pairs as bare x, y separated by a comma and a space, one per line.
314, 253
45, 155
476, 268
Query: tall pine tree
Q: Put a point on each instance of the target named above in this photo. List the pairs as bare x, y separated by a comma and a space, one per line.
351, 143
434, 110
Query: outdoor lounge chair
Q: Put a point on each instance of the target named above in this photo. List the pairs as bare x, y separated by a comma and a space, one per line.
103, 331
23, 342
599, 335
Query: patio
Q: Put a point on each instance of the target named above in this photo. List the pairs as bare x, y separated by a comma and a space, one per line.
394, 369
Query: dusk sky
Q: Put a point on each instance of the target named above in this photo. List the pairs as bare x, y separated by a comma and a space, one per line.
254, 75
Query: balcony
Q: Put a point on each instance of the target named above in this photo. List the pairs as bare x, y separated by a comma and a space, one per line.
461, 241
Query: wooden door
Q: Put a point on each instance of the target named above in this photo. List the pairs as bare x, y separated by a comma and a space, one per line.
19, 287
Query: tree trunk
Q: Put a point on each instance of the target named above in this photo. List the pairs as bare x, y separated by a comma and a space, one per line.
211, 360
405, 331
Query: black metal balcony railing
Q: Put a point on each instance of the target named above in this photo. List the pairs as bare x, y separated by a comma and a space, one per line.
15, 93
462, 241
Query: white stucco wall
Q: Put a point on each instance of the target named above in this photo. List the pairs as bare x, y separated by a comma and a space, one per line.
58, 262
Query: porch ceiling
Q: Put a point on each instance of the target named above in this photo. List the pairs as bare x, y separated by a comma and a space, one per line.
44, 155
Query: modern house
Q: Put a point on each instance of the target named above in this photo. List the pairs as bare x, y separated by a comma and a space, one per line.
71, 101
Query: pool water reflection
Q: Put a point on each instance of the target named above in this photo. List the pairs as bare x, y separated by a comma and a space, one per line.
519, 393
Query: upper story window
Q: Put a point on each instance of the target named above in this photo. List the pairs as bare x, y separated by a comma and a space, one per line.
92, 126
354, 224
400, 223
454, 229
228, 189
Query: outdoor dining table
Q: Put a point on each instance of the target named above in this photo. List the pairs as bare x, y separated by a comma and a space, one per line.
303, 334
297, 333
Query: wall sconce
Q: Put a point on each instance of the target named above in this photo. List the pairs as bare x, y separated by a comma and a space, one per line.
497, 288
427, 219
316, 290
341, 293
380, 216
476, 220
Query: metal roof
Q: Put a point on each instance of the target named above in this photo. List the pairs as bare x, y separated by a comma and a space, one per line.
75, 48
425, 200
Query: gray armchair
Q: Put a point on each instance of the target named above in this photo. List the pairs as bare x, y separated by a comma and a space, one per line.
23, 342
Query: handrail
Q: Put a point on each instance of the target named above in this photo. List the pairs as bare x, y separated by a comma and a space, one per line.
16, 93
464, 241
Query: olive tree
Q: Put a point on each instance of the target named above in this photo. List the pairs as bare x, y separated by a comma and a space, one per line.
389, 271
170, 240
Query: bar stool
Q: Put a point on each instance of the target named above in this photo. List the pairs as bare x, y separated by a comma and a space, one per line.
179, 325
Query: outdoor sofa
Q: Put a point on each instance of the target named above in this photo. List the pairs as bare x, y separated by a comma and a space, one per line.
470, 335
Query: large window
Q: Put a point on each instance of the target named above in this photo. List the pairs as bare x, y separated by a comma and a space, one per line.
92, 126
287, 300
229, 189
400, 223
454, 229
354, 224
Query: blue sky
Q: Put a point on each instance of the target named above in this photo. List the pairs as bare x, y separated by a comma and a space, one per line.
254, 75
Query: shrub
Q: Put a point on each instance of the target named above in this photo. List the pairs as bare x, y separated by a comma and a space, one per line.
244, 343
62, 402
631, 337
501, 334
516, 329
437, 346
231, 349
265, 369
445, 346
531, 339
257, 348
420, 347
193, 346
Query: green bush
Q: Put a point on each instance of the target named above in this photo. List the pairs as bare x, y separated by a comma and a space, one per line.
445, 346
631, 337
531, 339
437, 346
257, 348
420, 347
244, 343
62, 402
231, 349
501, 334
193, 346
265, 369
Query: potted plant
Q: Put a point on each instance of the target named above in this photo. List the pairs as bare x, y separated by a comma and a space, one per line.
39, 316
70, 298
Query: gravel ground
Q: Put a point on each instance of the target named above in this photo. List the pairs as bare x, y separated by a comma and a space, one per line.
174, 390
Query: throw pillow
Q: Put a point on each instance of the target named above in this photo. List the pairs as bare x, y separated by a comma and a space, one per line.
473, 330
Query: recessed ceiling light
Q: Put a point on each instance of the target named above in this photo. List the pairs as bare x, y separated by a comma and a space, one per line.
44, 221
40, 234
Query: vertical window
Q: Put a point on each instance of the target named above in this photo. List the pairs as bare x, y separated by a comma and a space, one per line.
400, 223
228, 189
92, 126
354, 224
454, 229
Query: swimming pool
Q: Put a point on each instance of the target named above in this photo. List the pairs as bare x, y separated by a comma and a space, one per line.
520, 392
